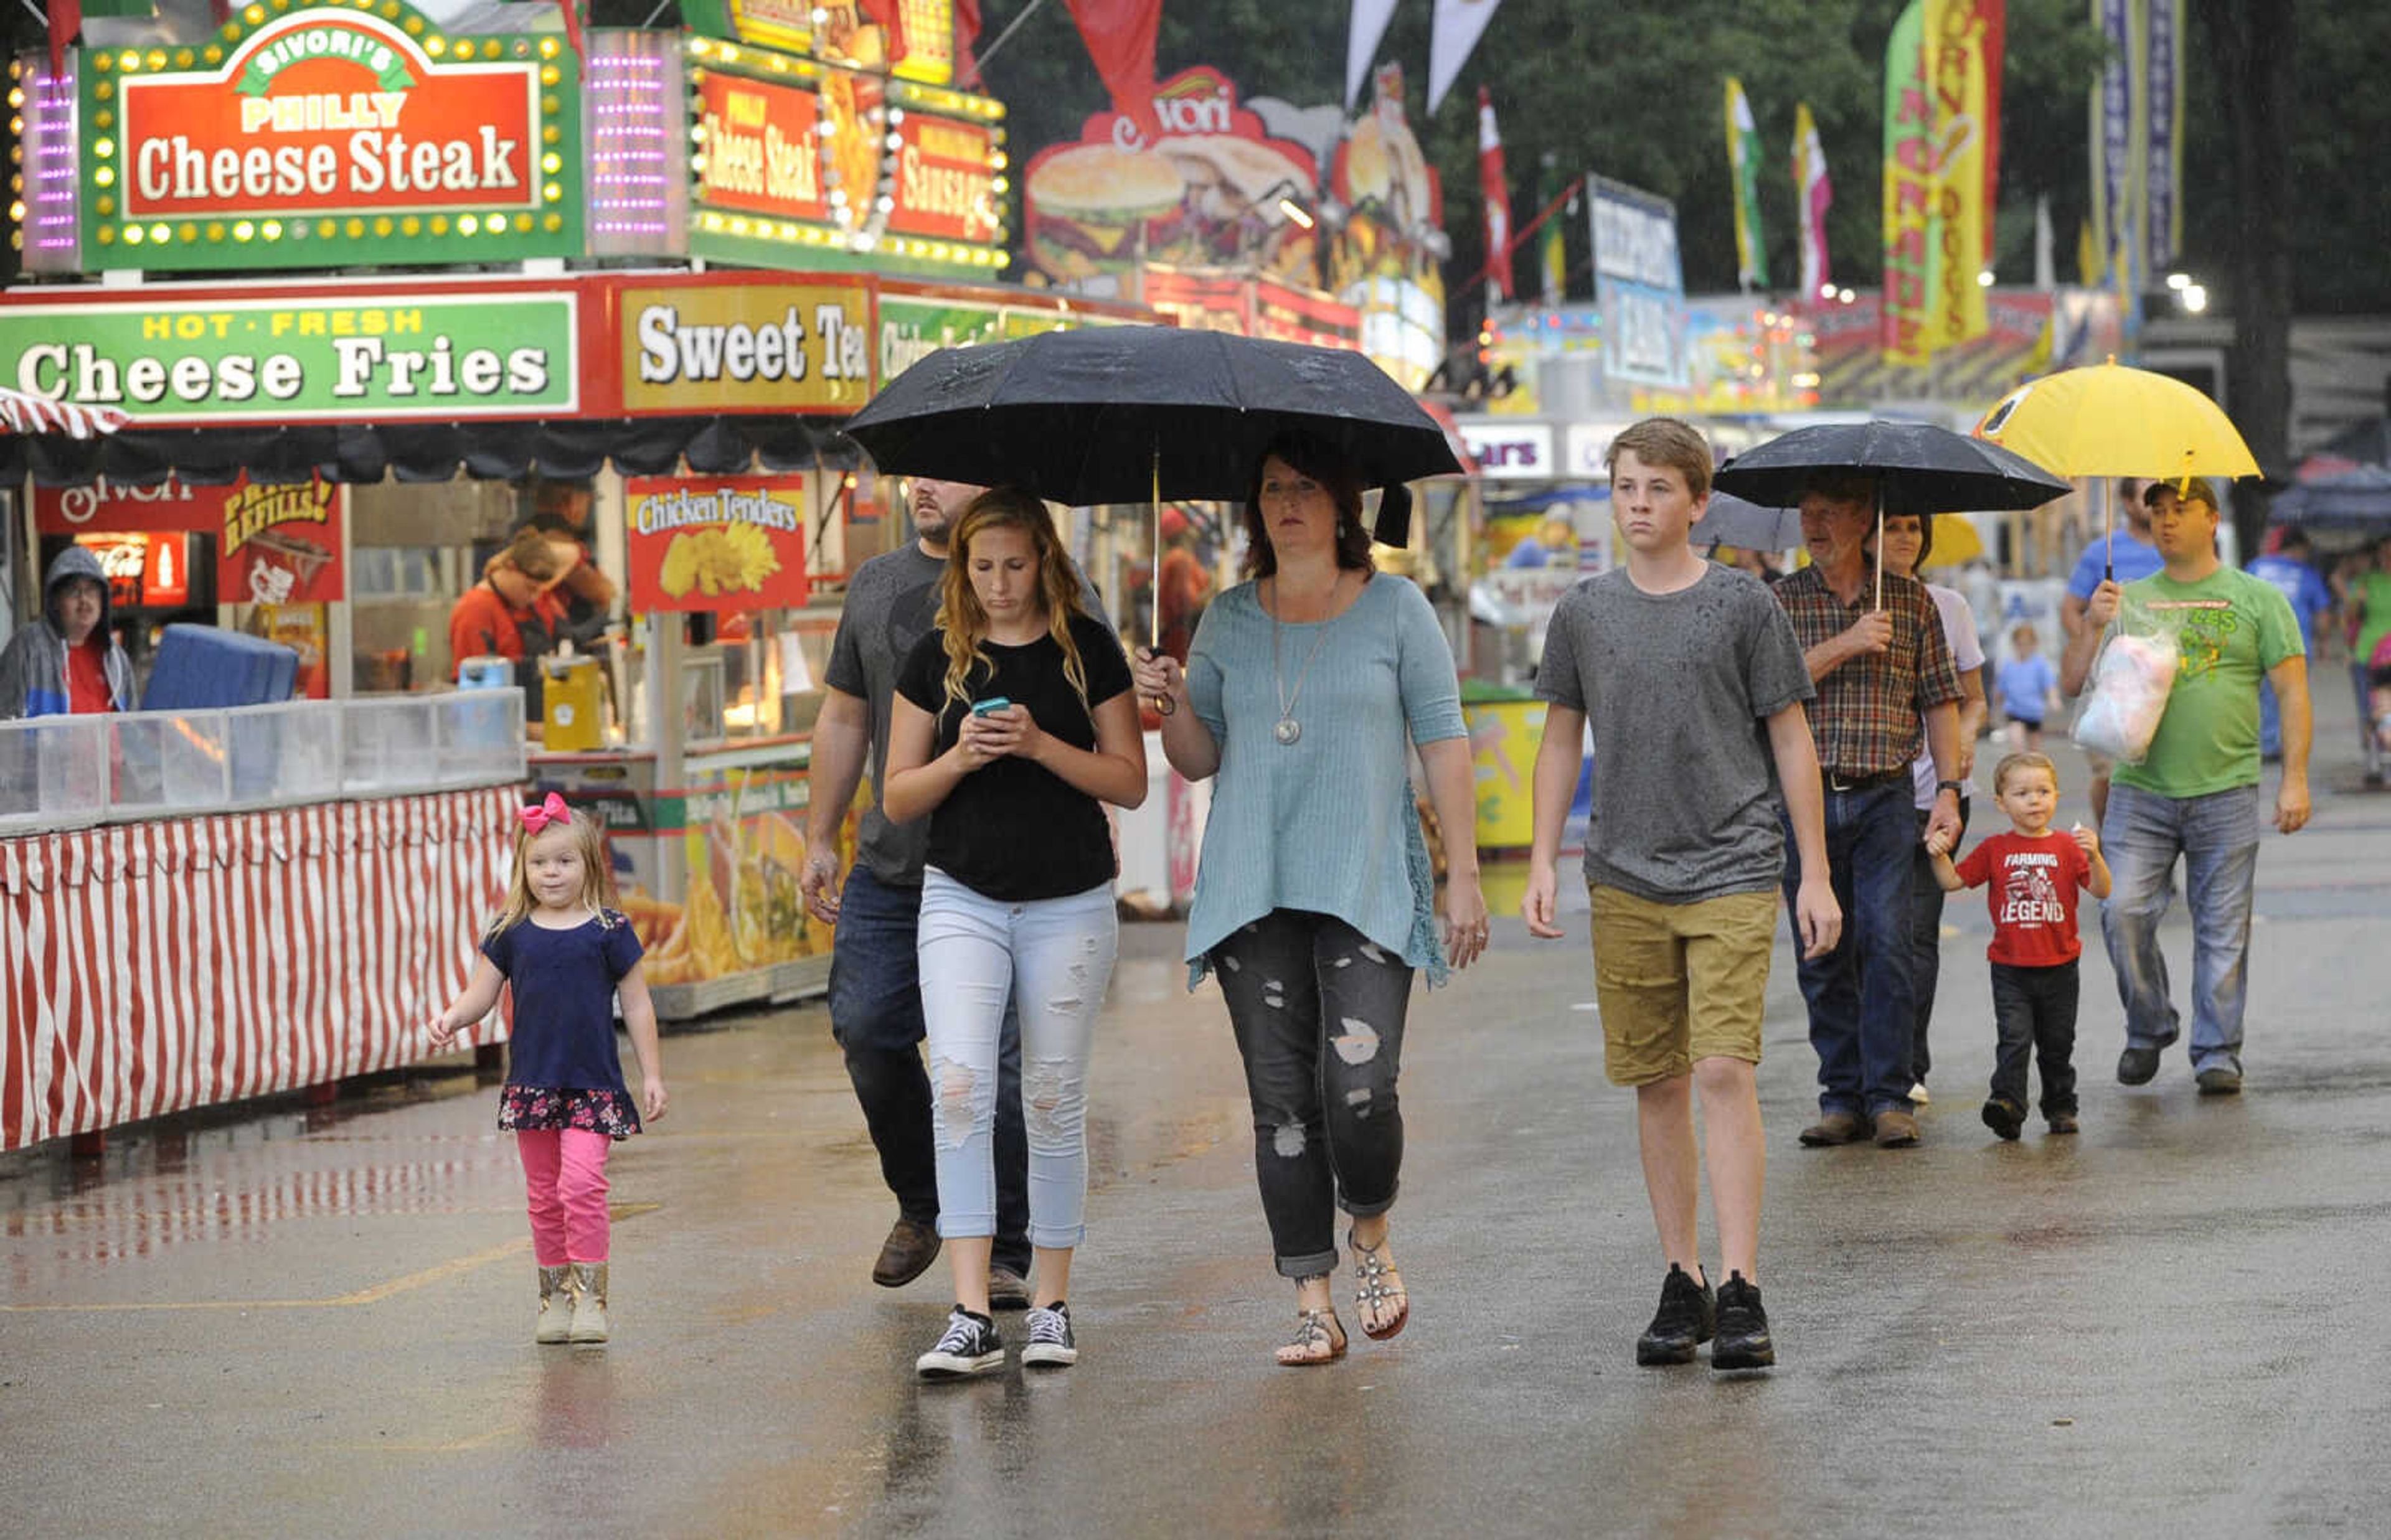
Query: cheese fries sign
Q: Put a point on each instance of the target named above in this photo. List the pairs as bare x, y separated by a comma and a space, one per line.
327, 136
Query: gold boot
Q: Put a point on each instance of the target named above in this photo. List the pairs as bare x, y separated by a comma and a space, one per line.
555, 1305
589, 1302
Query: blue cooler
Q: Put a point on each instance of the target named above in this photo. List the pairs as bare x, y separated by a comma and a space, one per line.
207, 668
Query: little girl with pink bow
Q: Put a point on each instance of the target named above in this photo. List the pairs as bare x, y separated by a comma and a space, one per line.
568, 960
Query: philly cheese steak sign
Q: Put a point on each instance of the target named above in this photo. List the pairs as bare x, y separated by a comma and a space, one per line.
327, 136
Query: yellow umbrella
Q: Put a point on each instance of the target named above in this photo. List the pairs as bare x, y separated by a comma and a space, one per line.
2110, 420
1956, 541
2107, 420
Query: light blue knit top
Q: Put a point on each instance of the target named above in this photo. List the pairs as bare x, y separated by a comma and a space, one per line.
1327, 822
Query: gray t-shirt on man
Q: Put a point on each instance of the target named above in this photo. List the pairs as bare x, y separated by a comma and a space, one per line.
892, 602
1676, 687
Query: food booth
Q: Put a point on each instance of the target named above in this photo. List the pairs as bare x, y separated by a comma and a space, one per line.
376, 293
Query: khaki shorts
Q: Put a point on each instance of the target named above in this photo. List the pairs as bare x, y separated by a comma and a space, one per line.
1678, 983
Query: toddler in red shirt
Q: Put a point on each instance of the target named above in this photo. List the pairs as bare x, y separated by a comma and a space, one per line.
2031, 876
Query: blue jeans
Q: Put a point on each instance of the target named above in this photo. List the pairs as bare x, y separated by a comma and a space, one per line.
1862, 1004
1055, 957
875, 1014
2217, 837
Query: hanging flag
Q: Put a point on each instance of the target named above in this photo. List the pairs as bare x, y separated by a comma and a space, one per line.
1452, 34
2163, 156
1743, 156
1496, 190
65, 19
571, 11
1958, 310
1552, 251
1993, 15
2046, 247
1909, 189
1369, 24
1120, 36
2120, 141
1812, 195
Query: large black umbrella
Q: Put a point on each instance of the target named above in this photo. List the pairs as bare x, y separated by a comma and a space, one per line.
2355, 499
1916, 467
1138, 413
1729, 521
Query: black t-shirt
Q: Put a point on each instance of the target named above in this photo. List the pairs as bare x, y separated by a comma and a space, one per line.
1014, 830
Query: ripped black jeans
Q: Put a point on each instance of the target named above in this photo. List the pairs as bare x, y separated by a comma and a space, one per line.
1318, 1011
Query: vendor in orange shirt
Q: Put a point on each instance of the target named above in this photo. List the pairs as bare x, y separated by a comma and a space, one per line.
513, 613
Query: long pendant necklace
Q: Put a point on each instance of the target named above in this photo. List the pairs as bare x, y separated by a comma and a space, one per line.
1287, 729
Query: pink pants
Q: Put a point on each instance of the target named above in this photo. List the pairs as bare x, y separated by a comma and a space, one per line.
564, 1171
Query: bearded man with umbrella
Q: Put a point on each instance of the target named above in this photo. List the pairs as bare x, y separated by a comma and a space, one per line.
1875, 646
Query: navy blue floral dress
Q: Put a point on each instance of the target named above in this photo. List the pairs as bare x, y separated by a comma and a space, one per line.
563, 1069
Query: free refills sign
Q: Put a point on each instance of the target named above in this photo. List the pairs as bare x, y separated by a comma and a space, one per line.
326, 135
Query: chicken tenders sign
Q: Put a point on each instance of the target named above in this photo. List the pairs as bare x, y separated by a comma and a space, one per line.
330, 136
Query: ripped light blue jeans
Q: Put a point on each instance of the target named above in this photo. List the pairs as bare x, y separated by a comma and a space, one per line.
1054, 956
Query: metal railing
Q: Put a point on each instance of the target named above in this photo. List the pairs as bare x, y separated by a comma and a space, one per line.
70, 772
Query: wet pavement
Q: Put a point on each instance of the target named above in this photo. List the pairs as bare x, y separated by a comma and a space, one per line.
286, 1321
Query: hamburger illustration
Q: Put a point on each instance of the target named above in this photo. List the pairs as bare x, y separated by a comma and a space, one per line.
1380, 163
1234, 187
1087, 203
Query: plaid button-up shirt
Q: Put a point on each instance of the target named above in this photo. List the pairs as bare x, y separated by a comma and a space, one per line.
1868, 719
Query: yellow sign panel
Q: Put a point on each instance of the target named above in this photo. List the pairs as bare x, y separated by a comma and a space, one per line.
747, 347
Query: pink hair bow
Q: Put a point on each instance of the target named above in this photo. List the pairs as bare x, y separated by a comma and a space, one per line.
552, 811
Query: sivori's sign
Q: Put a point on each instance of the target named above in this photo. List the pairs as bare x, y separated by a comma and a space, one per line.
327, 135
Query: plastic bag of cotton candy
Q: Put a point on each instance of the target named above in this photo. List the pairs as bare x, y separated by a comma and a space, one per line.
2130, 681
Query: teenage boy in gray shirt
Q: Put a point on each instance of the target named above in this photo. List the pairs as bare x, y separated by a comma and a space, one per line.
1690, 677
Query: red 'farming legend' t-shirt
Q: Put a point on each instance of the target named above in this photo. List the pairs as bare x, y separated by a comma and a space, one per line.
2033, 883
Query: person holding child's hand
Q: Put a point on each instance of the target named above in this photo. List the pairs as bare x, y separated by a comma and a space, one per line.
568, 959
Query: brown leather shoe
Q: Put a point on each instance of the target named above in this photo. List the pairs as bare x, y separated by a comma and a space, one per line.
1896, 1130
1840, 1128
907, 1254
1006, 1288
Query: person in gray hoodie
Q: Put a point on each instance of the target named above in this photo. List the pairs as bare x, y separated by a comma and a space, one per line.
40, 673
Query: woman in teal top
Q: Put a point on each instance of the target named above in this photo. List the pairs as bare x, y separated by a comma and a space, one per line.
1315, 902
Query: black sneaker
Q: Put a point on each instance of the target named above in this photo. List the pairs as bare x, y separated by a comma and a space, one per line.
2136, 1066
1744, 1342
971, 1346
1687, 1315
2004, 1117
1050, 1337
2219, 1080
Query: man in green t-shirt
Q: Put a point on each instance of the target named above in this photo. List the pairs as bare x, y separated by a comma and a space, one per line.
2195, 794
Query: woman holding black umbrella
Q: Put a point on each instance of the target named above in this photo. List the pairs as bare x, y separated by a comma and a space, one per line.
1315, 901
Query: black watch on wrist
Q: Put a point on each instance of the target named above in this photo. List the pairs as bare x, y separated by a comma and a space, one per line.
1950, 786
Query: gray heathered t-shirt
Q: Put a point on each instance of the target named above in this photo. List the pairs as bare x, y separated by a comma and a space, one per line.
1677, 689
892, 602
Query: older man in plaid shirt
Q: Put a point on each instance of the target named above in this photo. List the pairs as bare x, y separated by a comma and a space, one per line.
1882, 670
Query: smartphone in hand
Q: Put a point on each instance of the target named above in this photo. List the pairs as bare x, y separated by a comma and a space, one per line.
990, 706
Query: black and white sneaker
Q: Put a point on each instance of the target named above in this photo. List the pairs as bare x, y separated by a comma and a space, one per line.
1049, 1344
971, 1346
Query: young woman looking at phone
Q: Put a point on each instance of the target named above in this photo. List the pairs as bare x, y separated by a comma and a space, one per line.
1012, 724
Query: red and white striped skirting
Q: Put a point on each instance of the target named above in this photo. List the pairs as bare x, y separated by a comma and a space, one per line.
150, 967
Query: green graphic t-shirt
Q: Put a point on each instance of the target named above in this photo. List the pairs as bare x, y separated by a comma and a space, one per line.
2231, 628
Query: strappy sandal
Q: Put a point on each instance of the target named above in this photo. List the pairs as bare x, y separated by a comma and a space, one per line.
1378, 1286
1316, 1329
